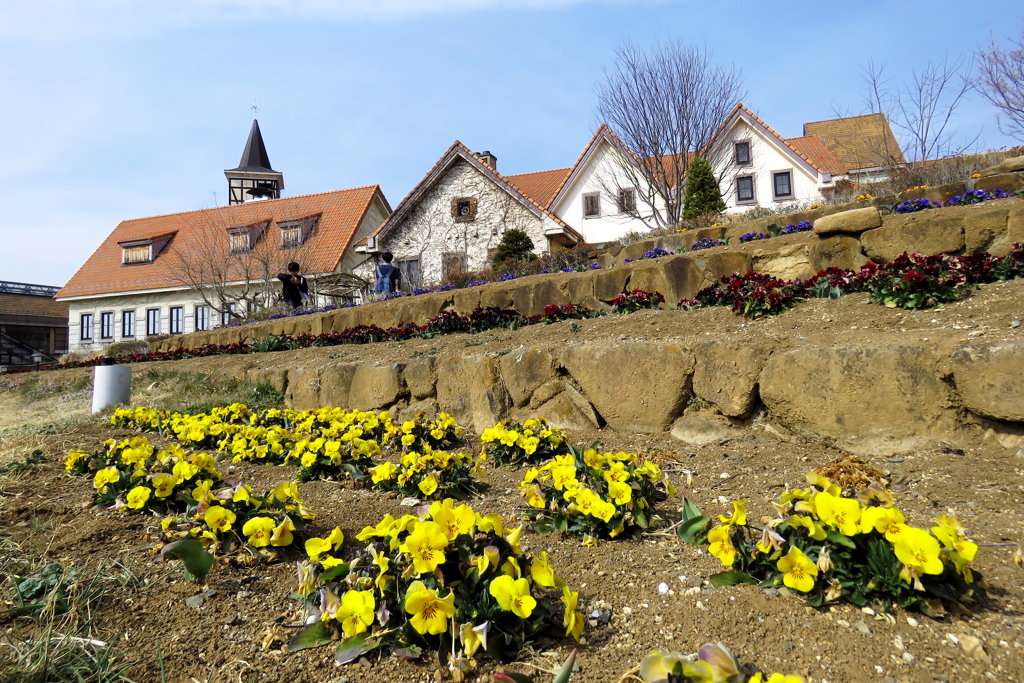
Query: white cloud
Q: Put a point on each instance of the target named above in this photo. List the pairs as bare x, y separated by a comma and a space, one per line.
64, 19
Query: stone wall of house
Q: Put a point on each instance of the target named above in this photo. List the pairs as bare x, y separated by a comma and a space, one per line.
431, 229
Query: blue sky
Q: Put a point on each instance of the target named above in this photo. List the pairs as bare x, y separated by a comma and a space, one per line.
117, 109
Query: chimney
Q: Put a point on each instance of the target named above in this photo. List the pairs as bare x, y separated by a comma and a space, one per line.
489, 159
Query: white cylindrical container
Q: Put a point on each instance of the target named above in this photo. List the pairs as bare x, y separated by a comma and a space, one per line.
111, 384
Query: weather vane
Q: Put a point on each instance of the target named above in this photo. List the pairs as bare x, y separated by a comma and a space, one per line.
254, 108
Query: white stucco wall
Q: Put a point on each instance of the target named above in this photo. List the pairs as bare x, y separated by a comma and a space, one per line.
430, 230
603, 172
767, 155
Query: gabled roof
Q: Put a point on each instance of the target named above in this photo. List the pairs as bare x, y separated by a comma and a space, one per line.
814, 148
859, 141
255, 158
340, 214
457, 152
540, 186
740, 111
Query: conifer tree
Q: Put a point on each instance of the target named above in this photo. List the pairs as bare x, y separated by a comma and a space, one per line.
516, 245
702, 193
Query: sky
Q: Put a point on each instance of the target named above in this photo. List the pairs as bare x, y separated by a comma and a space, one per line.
119, 109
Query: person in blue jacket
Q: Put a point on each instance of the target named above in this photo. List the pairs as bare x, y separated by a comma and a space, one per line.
389, 278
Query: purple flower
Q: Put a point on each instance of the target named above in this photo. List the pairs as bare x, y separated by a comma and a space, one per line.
628, 260
566, 270
595, 266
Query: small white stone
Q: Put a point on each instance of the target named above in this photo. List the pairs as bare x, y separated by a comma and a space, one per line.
879, 669
663, 588
908, 658
953, 639
867, 610
723, 475
911, 621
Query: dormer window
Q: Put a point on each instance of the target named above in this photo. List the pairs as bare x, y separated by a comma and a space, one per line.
243, 239
134, 252
295, 233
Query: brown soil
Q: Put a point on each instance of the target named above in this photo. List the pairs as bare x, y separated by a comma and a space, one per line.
42, 512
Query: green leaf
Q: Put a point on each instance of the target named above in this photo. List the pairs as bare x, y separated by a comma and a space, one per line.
355, 647
839, 538
338, 571
565, 672
314, 635
731, 579
692, 530
197, 561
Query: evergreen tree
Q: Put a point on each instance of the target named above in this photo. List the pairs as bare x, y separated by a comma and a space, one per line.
702, 193
516, 245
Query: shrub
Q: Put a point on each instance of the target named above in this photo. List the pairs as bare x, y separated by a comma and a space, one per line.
755, 294
831, 544
554, 313
516, 245
595, 495
127, 348
635, 300
420, 575
912, 282
702, 193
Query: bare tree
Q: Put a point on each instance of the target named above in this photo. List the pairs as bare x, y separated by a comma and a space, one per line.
226, 265
1002, 83
664, 105
922, 109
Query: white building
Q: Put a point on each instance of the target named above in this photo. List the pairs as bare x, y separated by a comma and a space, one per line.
184, 272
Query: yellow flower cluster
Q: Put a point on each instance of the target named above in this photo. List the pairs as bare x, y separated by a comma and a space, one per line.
428, 473
408, 564
712, 663
423, 434
593, 493
917, 187
822, 512
532, 441
864, 196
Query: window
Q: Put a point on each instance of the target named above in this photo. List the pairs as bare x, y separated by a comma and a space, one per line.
127, 323
106, 325
85, 327
742, 150
177, 319
291, 235
782, 184
464, 209
745, 188
152, 321
591, 205
627, 200
228, 313
202, 318
136, 254
410, 270
239, 242
453, 263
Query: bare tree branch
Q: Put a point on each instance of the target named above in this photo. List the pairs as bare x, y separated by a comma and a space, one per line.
663, 105
1002, 83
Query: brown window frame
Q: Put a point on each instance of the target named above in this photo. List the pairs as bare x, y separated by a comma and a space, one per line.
594, 197
470, 204
627, 200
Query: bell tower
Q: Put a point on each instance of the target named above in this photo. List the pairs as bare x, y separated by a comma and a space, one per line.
254, 179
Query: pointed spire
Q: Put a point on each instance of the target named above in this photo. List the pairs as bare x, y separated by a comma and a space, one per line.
255, 157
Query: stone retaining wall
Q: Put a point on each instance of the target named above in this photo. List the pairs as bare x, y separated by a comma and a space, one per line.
870, 396
992, 226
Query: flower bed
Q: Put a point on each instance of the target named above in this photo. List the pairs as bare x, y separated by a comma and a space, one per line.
512, 443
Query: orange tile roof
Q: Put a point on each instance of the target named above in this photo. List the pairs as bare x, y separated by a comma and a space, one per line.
340, 215
813, 147
859, 141
540, 186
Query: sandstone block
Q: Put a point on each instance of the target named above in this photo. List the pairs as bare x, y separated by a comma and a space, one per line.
928, 235
726, 375
691, 236
276, 377
420, 378
1013, 165
336, 385
865, 398
1008, 182
939, 193
562, 412
636, 250
608, 284
851, 222
403, 411
530, 295
523, 371
579, 288
303, 392
465, 300
375, 386
984, 226
786, 261
470, 389
988, 379
697, 430
638, 386
719, 263
840, 251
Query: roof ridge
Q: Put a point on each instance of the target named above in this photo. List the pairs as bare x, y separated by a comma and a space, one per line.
550, 170
263, 201
847, 118
783, 140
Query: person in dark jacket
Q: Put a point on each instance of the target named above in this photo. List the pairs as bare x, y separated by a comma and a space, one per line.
389, 278
294, 289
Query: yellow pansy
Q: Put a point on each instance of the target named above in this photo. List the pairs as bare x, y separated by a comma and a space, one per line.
541, 571
917, 548
454, 520
356, 612
798, 571
490, 558
512, 537
219, 518
814, 530
490, 523
513, 595
282, 534
108, 475
880, 519
430, 613
137, 497
425, 545
163, 484
473, 637
572, 620
258, 531
721, 545
739, 514
620, 492
562, 475
535, 497
839, 513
